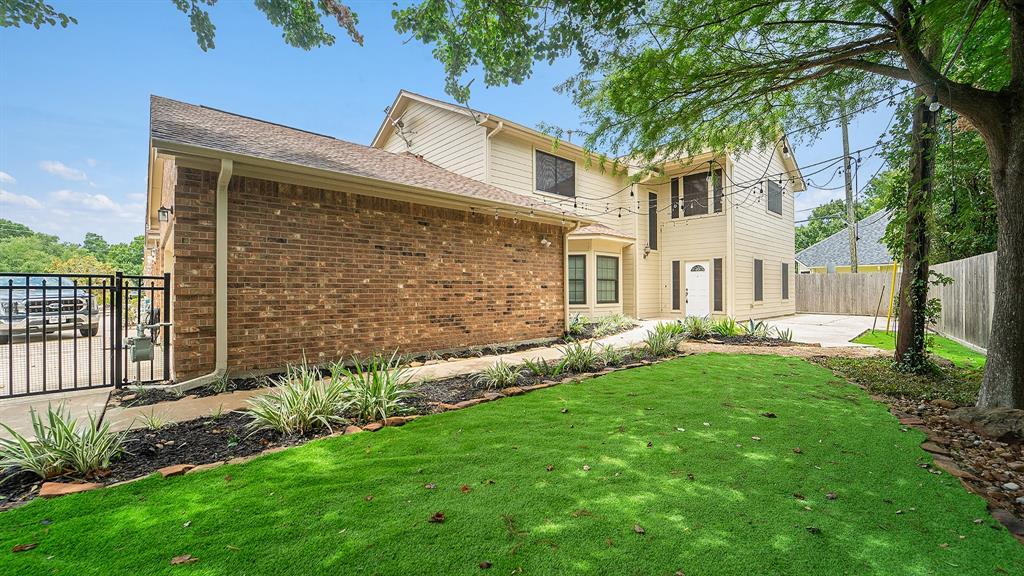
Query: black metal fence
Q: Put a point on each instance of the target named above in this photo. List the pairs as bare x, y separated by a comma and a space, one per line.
63, 332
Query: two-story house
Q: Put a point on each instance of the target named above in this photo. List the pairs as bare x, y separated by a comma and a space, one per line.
711, 235
454, 228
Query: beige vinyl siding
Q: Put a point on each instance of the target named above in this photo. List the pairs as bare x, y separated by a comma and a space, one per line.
511, 166
649, 295
760, 234
451, 140
689, 240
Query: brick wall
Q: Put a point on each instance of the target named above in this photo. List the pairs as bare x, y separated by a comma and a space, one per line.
330, 274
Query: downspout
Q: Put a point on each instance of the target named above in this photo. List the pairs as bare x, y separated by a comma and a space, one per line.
487, 150
565, 272
220, 283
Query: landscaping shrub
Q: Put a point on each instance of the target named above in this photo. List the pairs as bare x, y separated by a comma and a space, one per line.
697, 327
61, 446
577, 326
612, 356
578, 358
759, 329
374, 389
499, 375
726, 327
300, 403
542, 368
613, 324
662, 341
784, 334
672, 329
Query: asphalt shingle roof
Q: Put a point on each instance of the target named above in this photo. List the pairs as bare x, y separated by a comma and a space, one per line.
835, 250
175, 122
599, 229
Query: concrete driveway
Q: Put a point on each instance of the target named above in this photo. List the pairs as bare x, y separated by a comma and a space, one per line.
828, 330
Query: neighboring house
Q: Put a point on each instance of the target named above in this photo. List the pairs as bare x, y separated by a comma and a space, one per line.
453, 229
833, 253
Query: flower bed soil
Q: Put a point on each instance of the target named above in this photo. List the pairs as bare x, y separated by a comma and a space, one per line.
747, 340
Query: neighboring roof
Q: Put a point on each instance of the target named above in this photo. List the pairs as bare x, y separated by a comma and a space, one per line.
173, 122
599, 230
835, 250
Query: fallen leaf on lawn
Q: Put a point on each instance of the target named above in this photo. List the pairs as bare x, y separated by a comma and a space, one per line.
639, 529
768, 414
707, 423
899, 511
430, 486
549, 467
798, 496
46, 521
186, 524
233, 548
24, 547
485, 565
368, 497
649, 444
814, 530
689, 476
978, 520
757, 438
797, 451
831, 496
586, 467
564, 410
680, 429
437, 517
943, 545
609, 542
465, 488
680, 573
183, 559
488, 481
228, 478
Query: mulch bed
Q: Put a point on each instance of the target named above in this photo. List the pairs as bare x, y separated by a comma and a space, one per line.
128, 397
747, 340
200, 441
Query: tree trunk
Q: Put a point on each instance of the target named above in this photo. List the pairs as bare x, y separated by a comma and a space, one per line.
910, 336
1003, 385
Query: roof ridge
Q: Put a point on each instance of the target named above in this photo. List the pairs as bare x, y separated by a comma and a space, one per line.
844, 230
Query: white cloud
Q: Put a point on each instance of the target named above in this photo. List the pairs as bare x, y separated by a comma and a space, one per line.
62, 170
6, 178
99, 203
18, 200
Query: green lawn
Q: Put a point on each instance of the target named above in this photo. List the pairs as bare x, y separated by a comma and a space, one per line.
360, 505
958, 354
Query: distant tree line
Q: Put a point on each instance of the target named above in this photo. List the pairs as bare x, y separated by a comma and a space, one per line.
25, 250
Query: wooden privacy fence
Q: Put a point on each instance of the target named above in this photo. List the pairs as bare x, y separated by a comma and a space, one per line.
966, 303
856, 294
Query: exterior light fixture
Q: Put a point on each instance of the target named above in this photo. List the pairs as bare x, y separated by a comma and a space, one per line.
545, 242
163, 214
933, 103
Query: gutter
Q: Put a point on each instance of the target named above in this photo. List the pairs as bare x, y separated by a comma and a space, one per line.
220, 284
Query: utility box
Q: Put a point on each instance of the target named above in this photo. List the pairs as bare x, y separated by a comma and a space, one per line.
142, 348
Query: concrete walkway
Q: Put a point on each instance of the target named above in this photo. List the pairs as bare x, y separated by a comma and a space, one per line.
827, 330
15, 412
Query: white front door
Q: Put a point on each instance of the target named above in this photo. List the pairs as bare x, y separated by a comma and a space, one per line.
698, 293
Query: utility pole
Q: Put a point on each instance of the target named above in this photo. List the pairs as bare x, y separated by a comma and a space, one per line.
851, 209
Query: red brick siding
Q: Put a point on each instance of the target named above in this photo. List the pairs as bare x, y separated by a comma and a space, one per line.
331, 274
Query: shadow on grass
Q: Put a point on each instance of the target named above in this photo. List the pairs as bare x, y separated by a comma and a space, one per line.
669, 448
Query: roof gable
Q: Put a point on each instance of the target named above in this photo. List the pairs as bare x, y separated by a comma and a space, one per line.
835, 250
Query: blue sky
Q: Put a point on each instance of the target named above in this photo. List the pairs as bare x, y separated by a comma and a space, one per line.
74, 103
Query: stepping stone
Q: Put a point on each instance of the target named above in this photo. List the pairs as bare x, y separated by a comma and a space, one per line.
176, 470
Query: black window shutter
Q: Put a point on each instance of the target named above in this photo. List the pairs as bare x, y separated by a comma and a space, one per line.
675, 197
718, 284
785, 281
652, 220
675, 284
718, 191
758, 280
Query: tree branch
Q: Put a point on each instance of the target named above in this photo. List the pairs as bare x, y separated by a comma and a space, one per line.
876, 68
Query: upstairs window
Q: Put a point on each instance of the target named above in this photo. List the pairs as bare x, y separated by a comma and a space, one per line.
556, 175
675, 197
695, 194
652, 220
774, 197
718, 195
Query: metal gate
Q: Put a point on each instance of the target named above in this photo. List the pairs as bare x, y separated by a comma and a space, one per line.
63, 332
